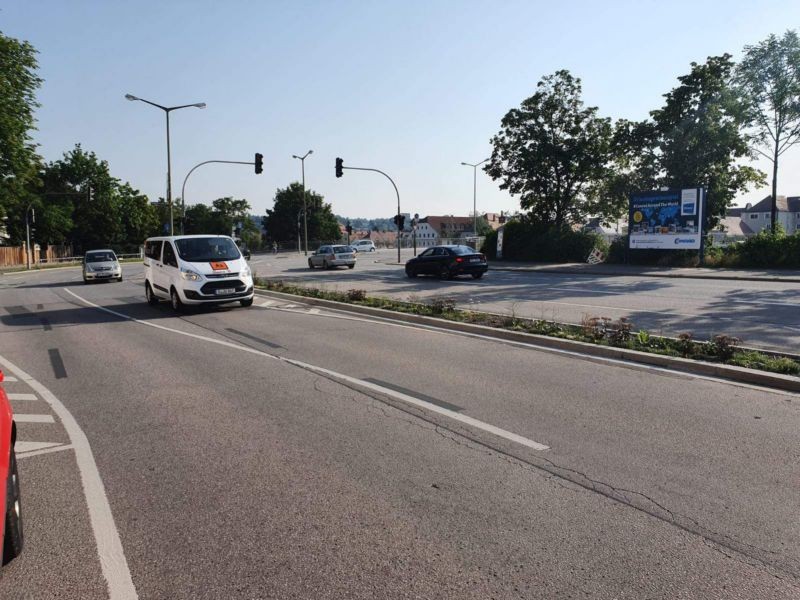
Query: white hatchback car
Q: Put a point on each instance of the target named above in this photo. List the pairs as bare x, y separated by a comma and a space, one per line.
363, 246
196, 269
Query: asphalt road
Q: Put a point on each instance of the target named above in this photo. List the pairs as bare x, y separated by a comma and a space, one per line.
761, 313
283, 451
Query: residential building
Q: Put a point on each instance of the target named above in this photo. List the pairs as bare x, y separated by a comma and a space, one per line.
757, 217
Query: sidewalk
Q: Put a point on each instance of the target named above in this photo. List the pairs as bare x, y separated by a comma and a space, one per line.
780, 275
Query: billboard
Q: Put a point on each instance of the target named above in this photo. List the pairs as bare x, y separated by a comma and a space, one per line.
666, 220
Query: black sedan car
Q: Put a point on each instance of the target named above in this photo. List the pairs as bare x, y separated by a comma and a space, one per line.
448, 261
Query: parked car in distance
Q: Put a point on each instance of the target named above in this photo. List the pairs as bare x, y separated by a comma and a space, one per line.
331, 256
10, 501
363, 246
447, 262
196, 269
99, 265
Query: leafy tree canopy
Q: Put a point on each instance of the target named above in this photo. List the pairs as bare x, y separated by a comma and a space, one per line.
768, 81
281, 220
551, 151
18, 84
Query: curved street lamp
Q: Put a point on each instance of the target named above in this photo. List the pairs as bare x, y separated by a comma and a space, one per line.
167, 110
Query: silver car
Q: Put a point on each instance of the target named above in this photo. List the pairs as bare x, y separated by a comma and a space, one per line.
328, 257
101, 265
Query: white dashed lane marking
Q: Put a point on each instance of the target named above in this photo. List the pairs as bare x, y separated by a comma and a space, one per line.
12, 396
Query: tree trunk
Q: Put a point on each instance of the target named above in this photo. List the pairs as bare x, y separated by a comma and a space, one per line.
774, 216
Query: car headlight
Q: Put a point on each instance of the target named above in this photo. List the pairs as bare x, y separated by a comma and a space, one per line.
89, 269
190, 275
245, 272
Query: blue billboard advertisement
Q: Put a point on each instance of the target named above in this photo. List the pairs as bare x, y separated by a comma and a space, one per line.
666, 220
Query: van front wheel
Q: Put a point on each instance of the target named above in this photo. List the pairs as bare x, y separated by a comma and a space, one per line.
152, 300
175, 300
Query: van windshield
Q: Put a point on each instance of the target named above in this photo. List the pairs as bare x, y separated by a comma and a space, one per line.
207, 249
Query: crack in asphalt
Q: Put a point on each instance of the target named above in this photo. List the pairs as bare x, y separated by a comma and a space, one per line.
631, 498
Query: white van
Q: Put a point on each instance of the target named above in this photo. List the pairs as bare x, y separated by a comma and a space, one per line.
196, 269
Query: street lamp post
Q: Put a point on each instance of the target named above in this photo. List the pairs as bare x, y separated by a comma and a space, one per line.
475, 194
302, 160
299, 248
32, 211
167, 110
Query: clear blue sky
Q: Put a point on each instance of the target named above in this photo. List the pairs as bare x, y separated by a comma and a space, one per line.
412, 87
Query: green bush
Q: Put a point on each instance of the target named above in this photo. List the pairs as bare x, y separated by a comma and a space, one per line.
770, 249
528, 241
489, 247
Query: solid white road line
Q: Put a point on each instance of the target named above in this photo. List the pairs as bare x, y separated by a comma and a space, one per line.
8, 379
109, 547
24, 418
14, 396
342, 377
266, 303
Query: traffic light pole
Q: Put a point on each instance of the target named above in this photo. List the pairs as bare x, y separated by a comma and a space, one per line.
183, 187
398, 200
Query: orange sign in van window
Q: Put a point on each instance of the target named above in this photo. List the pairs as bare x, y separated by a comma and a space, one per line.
219, 266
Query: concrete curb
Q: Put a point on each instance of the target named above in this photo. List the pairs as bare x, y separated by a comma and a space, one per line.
740, 374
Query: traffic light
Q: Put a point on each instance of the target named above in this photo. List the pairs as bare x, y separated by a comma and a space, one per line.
401, 221
259, 163
349, 228
339, 163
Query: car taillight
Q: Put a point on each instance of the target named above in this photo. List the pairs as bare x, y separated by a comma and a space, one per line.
459, 259
483, 257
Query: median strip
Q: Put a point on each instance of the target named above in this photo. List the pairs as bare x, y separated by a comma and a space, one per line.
720, 357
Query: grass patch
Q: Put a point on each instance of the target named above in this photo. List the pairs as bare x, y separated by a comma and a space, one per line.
601, 331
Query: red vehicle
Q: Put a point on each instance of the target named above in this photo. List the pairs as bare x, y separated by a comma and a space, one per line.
12, 509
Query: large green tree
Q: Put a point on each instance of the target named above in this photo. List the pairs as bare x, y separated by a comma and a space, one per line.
138, 218
768, 79
94, 194
700, 139
281, 220
551, 151
221, 218
19, 163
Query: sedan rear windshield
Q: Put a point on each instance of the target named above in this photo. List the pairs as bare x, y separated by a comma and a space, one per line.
463, 250
207, 249
340, 249
100, 257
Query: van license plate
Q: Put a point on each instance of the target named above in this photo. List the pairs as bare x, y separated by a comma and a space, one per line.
226, 291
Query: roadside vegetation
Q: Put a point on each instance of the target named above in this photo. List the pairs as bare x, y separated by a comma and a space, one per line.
603, 331
767, 249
